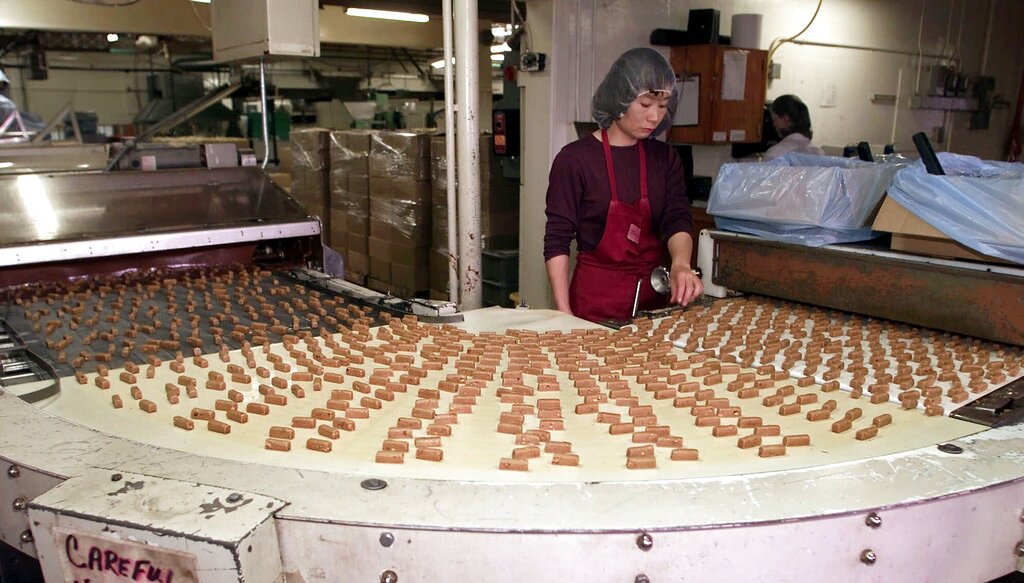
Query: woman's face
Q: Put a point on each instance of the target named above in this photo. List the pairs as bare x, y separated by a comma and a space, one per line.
644, 114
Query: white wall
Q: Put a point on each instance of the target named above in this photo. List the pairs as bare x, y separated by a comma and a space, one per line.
587, 35
114, 95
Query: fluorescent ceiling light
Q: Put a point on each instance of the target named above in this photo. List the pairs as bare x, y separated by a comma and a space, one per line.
439, 64
502, 48
498, 57
387, 15
6, 164
202, 1
112, 37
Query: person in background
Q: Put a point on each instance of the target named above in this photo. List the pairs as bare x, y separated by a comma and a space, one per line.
7, 107
793, 122
621, 196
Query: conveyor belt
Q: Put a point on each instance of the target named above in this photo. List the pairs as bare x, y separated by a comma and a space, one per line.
582, 405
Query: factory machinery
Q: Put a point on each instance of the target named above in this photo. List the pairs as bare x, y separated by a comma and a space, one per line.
187, 396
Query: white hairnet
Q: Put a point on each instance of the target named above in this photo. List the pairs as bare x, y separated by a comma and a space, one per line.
636, 72
3, 78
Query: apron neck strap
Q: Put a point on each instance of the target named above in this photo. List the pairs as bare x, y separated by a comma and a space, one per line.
641, 154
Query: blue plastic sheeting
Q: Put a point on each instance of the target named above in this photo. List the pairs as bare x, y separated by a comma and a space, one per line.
800, 198
978, 203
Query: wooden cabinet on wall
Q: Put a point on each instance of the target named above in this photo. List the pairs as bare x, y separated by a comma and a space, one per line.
730, 101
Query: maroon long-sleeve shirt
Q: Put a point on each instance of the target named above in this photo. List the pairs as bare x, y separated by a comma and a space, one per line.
579, 192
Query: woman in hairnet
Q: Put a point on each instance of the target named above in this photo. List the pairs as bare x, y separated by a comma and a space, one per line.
621, 196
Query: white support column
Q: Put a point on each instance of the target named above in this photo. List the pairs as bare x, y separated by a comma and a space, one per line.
449, 130
468, 146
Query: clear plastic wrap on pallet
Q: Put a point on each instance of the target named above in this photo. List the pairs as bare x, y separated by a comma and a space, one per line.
978, 203
497, 230
800, 198
309, 148
400, 154
310, 174
349, 161
405, 208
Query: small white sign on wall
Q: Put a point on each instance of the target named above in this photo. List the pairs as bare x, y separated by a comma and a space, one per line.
829, 95
734, 75
688, 110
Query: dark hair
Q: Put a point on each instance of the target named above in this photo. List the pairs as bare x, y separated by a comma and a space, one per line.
799, 117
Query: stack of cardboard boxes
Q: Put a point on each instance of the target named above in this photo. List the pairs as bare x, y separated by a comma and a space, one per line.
381, 197
400, 235
499, 211
350, 201
311, 175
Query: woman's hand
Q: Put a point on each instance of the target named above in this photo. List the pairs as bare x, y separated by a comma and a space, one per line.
686, 286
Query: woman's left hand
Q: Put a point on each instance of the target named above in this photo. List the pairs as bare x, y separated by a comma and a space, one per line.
686, 286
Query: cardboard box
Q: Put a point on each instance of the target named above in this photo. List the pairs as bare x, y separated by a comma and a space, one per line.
339, 230
378, 228
357, 244
379, 285
310, 138
412, 279
498, 230
439, 271
400, 154
379, 249
380, 269
359, 225
282, 179
358, 141
406, 144
912, 235
358, 185
403, 189
358, 263
412, 226
310, 148
409, 255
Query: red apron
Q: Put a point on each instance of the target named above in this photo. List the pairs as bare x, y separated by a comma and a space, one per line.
604, 283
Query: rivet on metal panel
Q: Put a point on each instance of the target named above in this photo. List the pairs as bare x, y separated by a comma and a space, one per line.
20, 504
645, 541
26, 537
1019, 549
950, 448
13, 472
234, 497
873, 520
116, 477
388, 577
387, 539
373, 484
641, 578
868, 557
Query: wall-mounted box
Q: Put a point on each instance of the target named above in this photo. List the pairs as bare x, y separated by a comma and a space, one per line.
250, 29
730, 86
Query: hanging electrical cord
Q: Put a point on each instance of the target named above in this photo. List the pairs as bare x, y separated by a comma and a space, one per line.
781, 41
200, 18
522, 24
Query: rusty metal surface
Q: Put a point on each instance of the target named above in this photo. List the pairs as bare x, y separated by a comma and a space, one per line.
974, 302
